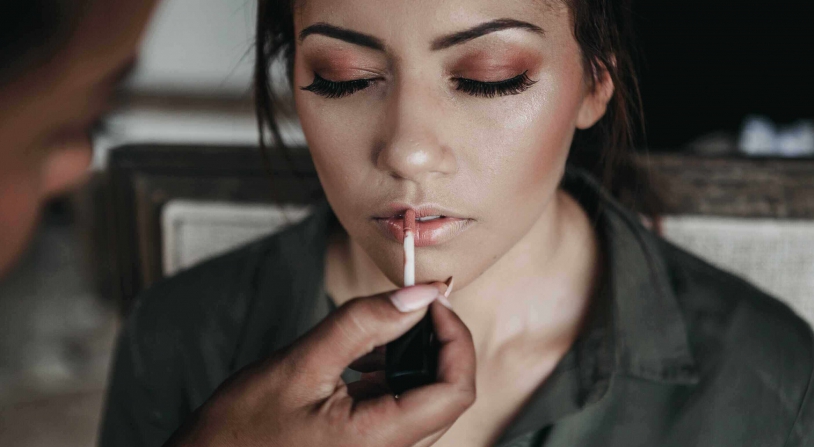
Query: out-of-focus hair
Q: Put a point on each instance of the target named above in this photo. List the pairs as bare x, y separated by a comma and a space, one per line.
33, 31
604, 31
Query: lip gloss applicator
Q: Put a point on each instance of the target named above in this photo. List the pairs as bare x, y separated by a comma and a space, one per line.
411, 360
409, 248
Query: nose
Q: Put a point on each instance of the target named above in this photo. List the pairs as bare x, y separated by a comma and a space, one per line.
414, 146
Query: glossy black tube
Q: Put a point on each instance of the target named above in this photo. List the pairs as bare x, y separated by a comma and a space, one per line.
412, 359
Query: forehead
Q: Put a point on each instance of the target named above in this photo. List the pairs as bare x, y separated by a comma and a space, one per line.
391, 19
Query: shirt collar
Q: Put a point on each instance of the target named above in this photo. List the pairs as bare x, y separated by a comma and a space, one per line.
649, 334
635, 328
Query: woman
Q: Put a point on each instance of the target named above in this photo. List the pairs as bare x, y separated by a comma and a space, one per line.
588, 329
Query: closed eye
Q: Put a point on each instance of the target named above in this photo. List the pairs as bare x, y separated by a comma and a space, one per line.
338, 89
512, 86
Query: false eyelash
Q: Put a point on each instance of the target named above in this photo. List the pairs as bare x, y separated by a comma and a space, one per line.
513, 86
339, 89
333, 89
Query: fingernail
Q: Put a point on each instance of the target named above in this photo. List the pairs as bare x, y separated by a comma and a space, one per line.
444, 299
413, 298
450, 282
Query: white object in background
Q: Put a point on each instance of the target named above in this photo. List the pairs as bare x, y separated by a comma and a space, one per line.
775, 255
796, 140
760, 136
132, 126
757, 136
198, 47
195, 231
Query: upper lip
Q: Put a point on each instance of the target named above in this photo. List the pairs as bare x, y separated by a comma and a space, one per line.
422, 210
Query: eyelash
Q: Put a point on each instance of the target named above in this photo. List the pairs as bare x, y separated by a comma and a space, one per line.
511, 86
333, 89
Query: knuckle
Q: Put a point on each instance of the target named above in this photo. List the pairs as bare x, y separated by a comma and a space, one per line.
372, 307
465, 397
284, 372
285, 363
460, 331
354, 320
348, 328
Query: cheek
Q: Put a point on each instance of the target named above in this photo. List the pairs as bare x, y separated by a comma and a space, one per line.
19, 211
66, 167
523, 145
339, 137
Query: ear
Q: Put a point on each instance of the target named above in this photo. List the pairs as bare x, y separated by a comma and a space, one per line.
595, 103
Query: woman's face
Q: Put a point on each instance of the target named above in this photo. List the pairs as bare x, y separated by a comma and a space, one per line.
460, 108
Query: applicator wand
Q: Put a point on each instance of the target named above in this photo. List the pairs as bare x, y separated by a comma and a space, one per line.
411, 360
409, 248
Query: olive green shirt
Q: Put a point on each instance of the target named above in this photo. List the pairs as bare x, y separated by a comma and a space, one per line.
676, 352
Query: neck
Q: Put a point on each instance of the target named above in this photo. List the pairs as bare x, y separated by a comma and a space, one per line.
538, 293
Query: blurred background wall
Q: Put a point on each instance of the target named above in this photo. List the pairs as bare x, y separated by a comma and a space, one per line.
198, 48
193, 81
708, 65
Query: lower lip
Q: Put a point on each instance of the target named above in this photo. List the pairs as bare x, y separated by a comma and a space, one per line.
428, 233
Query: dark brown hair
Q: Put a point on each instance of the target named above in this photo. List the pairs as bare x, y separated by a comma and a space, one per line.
33, 31
604, 32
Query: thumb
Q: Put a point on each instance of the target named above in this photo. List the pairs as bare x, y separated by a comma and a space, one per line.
357, 328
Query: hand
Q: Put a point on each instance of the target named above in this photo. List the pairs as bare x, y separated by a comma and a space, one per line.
297, 397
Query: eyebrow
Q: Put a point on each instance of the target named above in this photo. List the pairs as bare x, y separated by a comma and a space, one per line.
441, 43
344, 34
483, 29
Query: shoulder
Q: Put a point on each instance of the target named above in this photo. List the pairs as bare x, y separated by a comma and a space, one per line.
205, 289
231, 277
200, 311
183, 336
708, 294
739, 332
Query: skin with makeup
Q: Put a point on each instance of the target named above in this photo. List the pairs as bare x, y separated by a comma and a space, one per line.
465, 113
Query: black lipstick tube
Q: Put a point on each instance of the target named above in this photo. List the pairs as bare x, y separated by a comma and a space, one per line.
411, 360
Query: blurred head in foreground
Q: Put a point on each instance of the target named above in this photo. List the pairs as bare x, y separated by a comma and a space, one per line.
61, 61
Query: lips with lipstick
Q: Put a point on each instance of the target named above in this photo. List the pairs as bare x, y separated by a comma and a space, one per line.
434, 226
